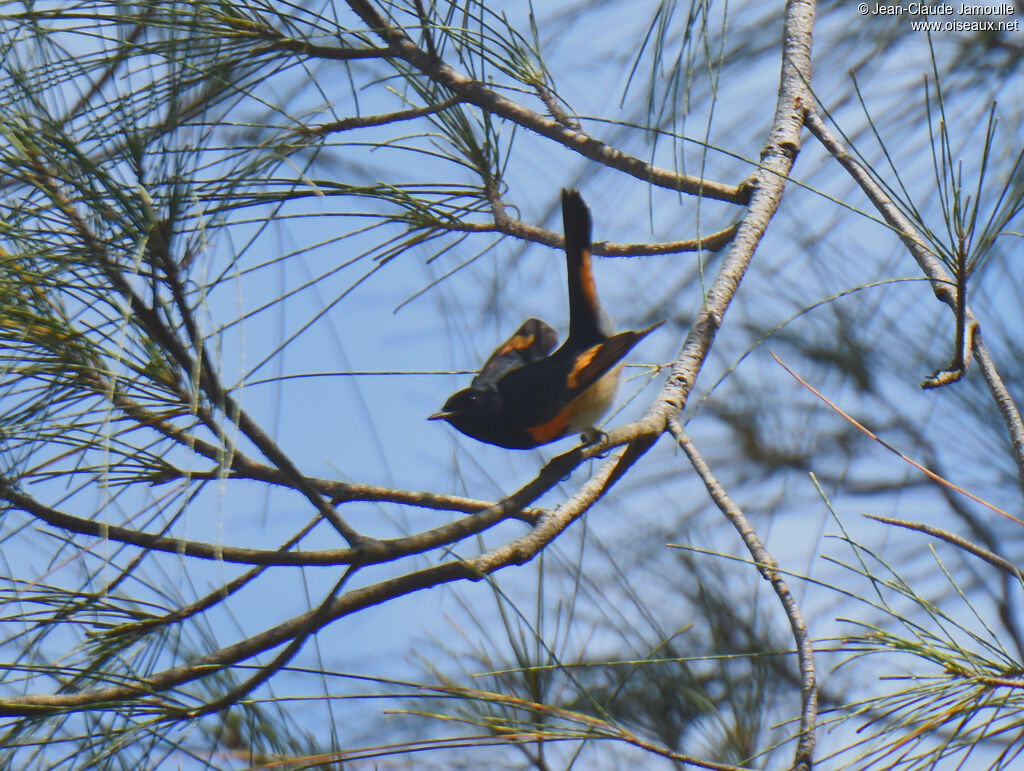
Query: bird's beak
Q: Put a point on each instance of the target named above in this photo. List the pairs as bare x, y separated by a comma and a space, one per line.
442, 415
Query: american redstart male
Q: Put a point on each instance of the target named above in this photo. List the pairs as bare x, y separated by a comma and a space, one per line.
524, 395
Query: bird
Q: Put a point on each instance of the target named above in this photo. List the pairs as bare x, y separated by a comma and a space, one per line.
525, 395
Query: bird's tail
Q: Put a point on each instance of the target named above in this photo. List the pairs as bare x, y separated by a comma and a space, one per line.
587, 320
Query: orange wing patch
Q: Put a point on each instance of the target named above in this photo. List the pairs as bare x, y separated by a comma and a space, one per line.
582, 362
515, 343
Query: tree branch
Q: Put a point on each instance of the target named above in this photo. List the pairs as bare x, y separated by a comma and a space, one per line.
768, 567
473, 92
942, 283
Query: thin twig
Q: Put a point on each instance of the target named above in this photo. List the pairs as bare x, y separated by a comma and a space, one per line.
768, 567
366, 121
875, 437
956, 540
527, 232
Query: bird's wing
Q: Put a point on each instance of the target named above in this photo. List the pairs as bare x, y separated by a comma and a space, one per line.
531, 342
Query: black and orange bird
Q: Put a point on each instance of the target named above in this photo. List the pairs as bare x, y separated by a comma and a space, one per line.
524, 395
